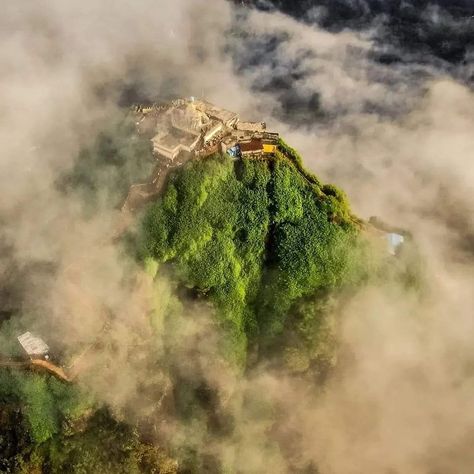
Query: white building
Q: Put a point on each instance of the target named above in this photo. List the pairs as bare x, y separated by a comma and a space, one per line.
194, 125
34, 346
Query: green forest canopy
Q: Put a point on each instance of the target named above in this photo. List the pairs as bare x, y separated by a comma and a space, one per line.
263, 240
255, 235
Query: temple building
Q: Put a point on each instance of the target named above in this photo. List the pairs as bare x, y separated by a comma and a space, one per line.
201, 128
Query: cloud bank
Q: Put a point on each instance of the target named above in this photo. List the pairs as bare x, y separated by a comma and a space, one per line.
397, 137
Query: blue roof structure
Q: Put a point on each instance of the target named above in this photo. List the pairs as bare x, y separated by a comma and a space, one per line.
234, 151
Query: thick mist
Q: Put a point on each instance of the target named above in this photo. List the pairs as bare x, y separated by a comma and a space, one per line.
397, 137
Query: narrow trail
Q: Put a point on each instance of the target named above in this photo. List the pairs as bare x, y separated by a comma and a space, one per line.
36, 363
51, 368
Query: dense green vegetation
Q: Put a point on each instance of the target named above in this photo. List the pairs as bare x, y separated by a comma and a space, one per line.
255, 236
51, 426
251, 259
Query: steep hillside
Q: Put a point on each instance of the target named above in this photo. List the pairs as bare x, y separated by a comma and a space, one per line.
255, 236
243, 263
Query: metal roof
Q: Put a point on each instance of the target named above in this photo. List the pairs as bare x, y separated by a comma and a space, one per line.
251, 145
33, 345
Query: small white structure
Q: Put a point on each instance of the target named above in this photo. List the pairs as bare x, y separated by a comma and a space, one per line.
33, 345
394, 242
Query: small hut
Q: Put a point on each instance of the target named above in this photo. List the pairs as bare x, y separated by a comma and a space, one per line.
34, 346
